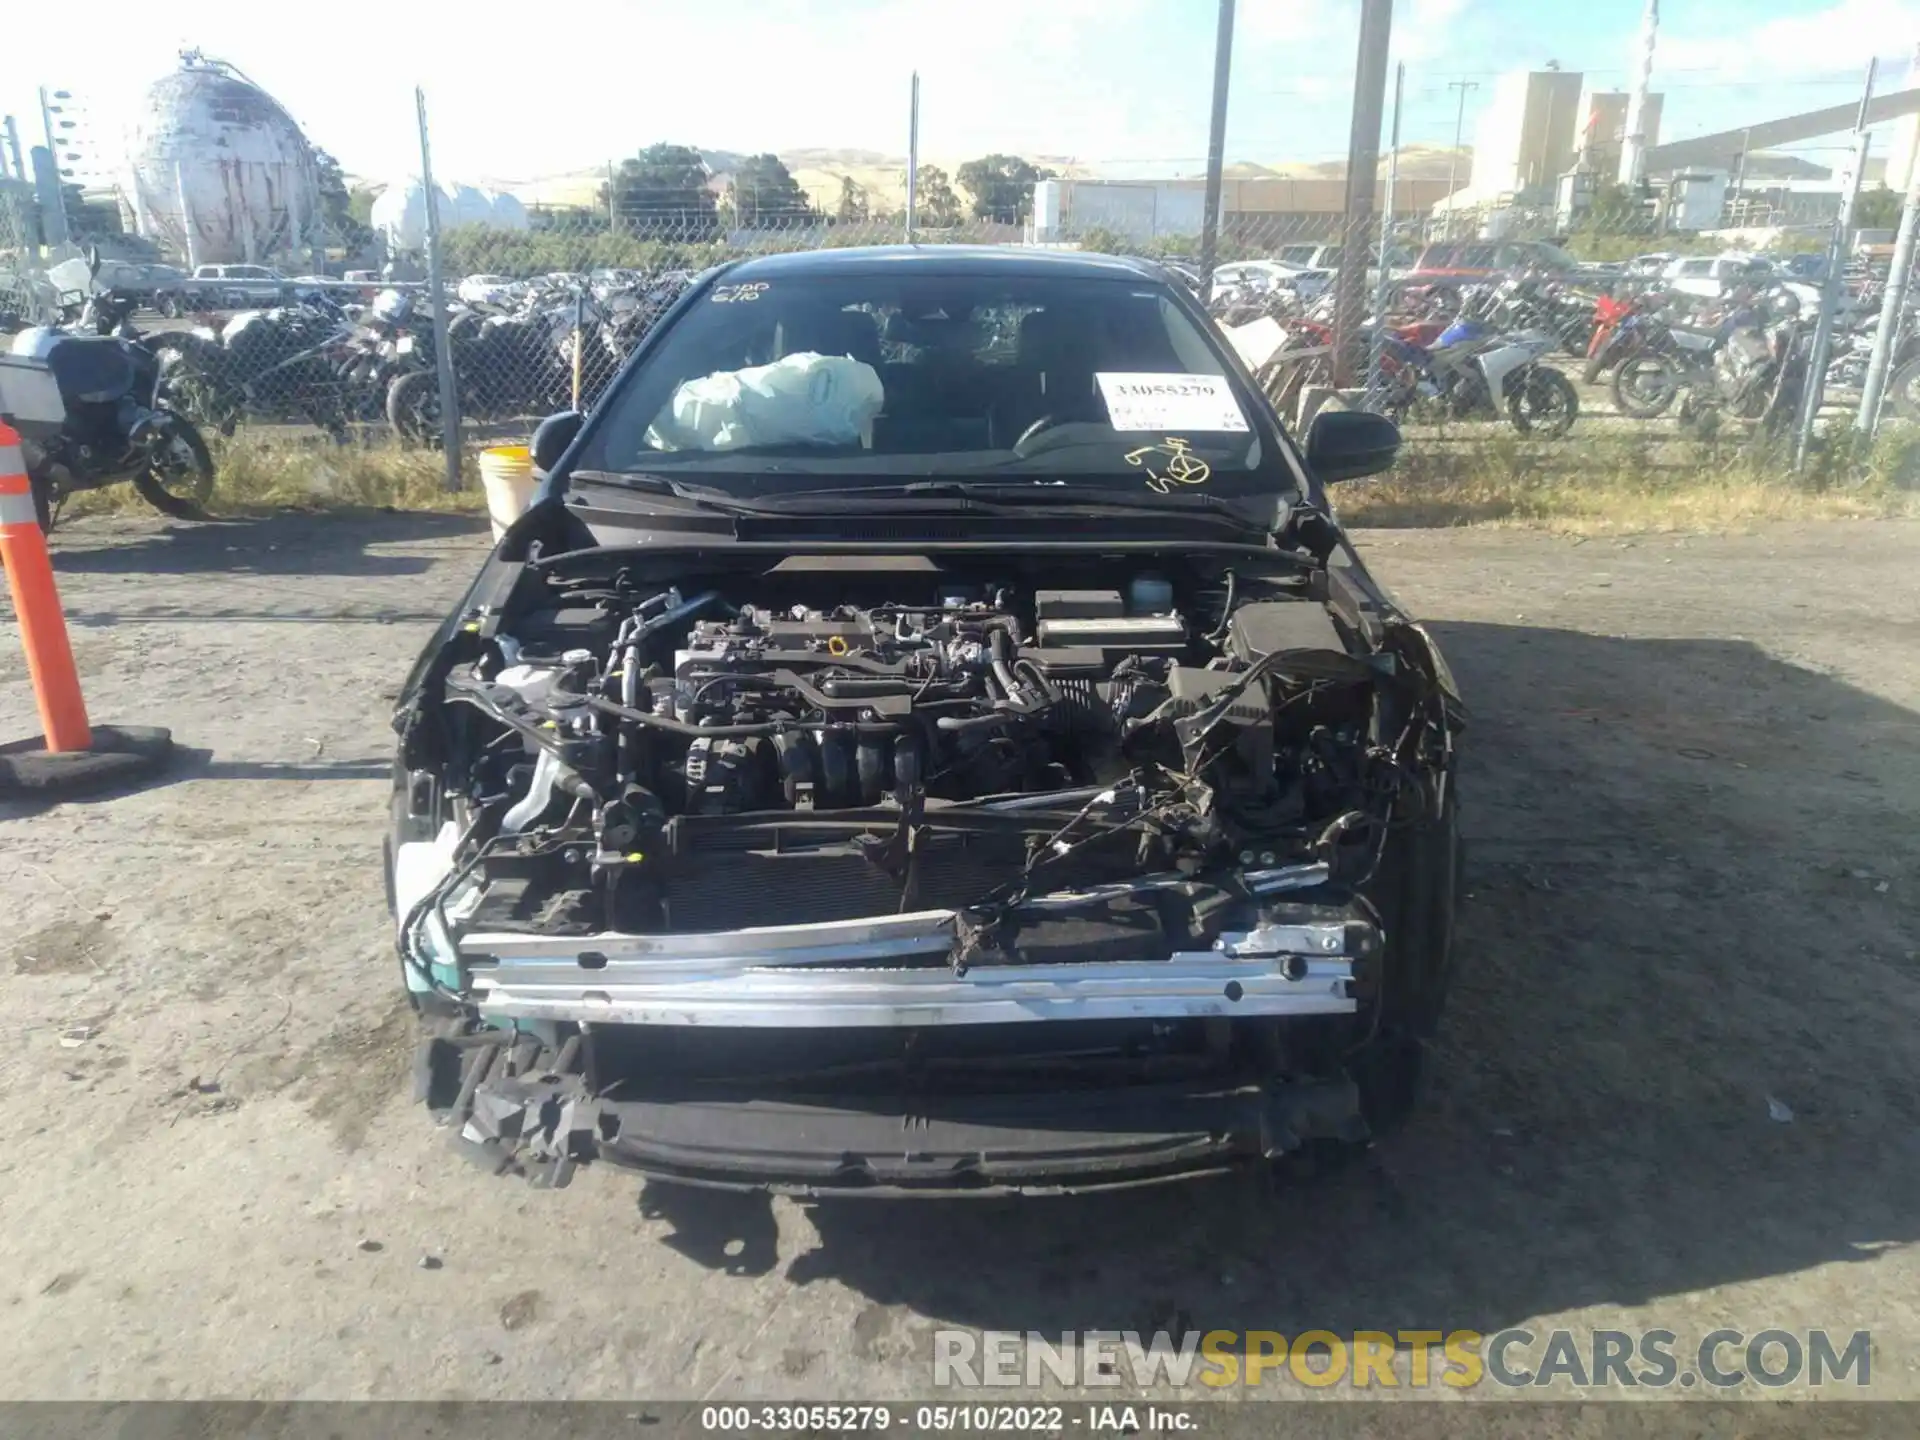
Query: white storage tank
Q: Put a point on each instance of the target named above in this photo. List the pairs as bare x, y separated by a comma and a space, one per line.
217, 170
400, 212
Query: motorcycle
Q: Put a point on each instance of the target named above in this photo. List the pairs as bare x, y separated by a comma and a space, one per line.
279, 364
86, 402
1471, 373
1737, 367
1663, 359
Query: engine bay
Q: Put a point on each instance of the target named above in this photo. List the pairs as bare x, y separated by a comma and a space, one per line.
818, 737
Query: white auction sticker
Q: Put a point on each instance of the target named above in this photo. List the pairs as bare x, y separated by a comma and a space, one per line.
1170, 402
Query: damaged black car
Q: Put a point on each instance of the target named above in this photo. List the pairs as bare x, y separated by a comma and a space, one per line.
929, 735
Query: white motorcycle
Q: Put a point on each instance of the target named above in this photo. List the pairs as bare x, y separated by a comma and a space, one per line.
1472, 374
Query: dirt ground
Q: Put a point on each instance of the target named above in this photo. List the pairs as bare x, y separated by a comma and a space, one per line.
1694, 889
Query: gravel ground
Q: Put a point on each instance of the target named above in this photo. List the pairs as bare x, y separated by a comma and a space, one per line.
1694, 906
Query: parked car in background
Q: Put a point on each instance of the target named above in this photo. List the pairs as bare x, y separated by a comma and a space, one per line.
1650, 266
1712, 276
140, 281
235, 287
1327, 257
1480, 259
1266, 276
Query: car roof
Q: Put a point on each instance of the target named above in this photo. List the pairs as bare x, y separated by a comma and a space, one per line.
992, 260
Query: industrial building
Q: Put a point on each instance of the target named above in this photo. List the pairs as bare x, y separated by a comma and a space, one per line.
1524, 139
1261, 210
1603, 129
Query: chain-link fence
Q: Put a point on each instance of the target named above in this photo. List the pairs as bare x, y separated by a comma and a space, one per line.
1538, 307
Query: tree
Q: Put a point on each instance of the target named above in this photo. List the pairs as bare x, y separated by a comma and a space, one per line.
934, 200
336, 210
663, 189
766, 194
1001, 187
853, 207
1877, 209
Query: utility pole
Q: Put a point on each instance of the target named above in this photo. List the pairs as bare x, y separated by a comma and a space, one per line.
1834, 282
1893, 304
1459, 134
59, 202
1633, 154
1363, 169
913, 152
1216, 149
1382, 283
442, 351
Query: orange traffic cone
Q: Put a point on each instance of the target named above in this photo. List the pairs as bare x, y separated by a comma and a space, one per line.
76, 755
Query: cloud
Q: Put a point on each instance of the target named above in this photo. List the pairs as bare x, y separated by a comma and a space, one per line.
1838, 38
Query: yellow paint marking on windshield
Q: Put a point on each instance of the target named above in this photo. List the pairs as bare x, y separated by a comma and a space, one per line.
1170, 463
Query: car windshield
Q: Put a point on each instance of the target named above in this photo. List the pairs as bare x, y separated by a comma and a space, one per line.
826, 381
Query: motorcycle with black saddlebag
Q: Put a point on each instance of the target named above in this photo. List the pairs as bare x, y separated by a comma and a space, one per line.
85, 401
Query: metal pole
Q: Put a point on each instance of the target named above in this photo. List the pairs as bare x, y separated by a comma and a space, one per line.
53, 154
579, 339
442, 351
913, 152
1834, 283
1459, 134
1893, 306
1216, 149
1633, 153
13, 148
1380, 284
613, 225
1740, 172
1363, 169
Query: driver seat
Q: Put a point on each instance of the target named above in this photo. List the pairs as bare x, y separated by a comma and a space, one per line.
1057, 361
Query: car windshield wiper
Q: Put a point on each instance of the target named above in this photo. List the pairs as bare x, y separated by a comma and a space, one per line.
704, 496
1064, 492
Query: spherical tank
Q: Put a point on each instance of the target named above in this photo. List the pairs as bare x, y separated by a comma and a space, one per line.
218, 170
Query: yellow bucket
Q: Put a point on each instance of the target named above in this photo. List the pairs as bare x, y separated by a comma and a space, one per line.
506, 474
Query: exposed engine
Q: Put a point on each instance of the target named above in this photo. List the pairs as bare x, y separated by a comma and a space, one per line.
682, 755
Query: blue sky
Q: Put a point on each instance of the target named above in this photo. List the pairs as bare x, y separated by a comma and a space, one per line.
1119, 83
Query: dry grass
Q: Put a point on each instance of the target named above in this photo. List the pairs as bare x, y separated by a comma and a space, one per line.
1595, 483
1620, 483
260, 473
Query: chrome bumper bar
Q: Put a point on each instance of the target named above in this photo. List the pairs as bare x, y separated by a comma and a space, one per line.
893, 971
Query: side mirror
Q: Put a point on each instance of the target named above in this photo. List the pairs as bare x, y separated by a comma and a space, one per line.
1347, 444
555, 433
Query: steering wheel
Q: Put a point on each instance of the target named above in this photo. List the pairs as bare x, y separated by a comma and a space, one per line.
1045, 422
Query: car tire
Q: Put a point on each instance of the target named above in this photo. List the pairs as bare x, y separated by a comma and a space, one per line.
1415, 892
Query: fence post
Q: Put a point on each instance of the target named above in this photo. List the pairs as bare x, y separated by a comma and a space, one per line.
1893, 306
1216, 149
1363, 164
442, 351
1834, 283
913, 154
1381, 285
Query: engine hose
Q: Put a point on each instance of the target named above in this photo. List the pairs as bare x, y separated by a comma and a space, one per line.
956, 724
1002, 650
723, 732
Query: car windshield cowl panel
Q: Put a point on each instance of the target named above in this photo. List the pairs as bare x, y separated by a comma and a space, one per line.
771, 388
